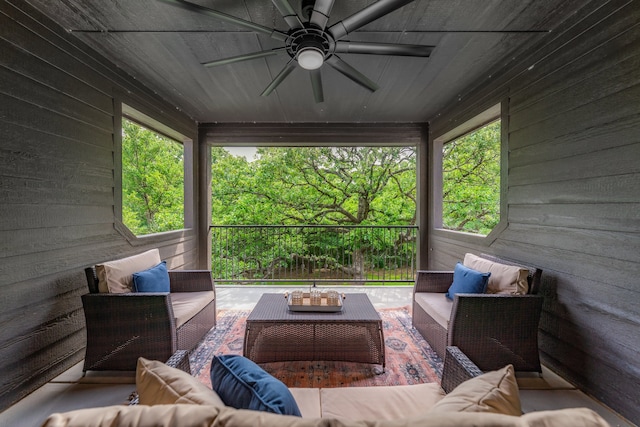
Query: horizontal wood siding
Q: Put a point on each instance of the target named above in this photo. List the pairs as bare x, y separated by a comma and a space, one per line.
57, 192
574, 195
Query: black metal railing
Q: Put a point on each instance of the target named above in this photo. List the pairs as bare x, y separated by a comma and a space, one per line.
313, 254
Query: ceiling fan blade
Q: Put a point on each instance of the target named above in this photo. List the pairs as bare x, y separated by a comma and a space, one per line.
288, 13
351, 73
245, 57
278, 35
364, 16
279, 78
321, 11
384, 49
316, 84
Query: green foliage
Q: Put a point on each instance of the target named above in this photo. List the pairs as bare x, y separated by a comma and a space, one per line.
325, 185
342, 186
471, 181
152, 181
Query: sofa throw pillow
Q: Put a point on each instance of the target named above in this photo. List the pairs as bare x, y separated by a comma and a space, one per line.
495, 392
242, 384
505, 279
154, 279
159, 384
467, 281
116, 277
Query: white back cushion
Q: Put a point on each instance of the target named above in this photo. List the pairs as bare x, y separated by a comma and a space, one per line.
504, 279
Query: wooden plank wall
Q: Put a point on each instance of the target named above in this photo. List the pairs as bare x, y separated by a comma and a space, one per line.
574, 194
56, 192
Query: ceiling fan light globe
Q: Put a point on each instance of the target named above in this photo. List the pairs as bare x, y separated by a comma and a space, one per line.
310, 58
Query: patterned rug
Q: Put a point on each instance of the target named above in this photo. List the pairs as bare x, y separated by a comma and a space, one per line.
409, 359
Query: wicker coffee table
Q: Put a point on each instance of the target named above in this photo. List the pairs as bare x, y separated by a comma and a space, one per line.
275, 334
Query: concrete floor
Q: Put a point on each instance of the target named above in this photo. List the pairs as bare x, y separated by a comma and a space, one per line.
71, 390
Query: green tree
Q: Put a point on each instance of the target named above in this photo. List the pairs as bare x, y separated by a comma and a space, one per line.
152, 181
471, 181
326, 186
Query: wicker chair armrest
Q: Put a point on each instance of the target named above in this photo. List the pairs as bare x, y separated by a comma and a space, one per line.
130, 313
92, 279
433, 281
497, 308
191, 280
457, 369
494, 329
122, 327
133, 305
178, 360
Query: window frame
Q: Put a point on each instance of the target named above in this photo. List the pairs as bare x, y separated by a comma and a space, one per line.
122, 110
495, 112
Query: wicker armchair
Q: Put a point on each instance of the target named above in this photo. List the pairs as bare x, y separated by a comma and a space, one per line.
493, 330
123, 327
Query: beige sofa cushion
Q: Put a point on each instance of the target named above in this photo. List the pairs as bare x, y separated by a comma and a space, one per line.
379, 403
504, 279
159, 384
436, 305
308, 401
565, 417
495, 392
215, 416
116, 277
188, 304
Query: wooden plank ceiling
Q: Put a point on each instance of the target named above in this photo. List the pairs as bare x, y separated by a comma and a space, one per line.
163, 47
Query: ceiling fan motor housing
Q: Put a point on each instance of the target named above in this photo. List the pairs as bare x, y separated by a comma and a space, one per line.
309, 37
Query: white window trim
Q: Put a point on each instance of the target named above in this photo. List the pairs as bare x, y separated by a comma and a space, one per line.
497, 111
122, 110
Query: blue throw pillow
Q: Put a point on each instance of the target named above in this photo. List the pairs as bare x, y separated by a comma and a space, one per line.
467, 281
155, 279
242, 384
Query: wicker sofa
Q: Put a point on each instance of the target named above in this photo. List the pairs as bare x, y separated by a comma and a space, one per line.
123, 326
492, 329
169, 397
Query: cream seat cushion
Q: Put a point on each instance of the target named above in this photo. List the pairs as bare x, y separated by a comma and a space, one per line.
216, 416
379, 403
504, 279
436, 305
308, 401
116, 277
188, 304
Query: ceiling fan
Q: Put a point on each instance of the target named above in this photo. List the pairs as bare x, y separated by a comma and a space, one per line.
310, 43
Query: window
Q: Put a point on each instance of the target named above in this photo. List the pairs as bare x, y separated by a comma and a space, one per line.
152, 180
470, 190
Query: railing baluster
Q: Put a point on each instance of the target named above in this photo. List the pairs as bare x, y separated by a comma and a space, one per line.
304, 254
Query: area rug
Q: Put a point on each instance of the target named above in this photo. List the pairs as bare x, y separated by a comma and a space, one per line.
409, 358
